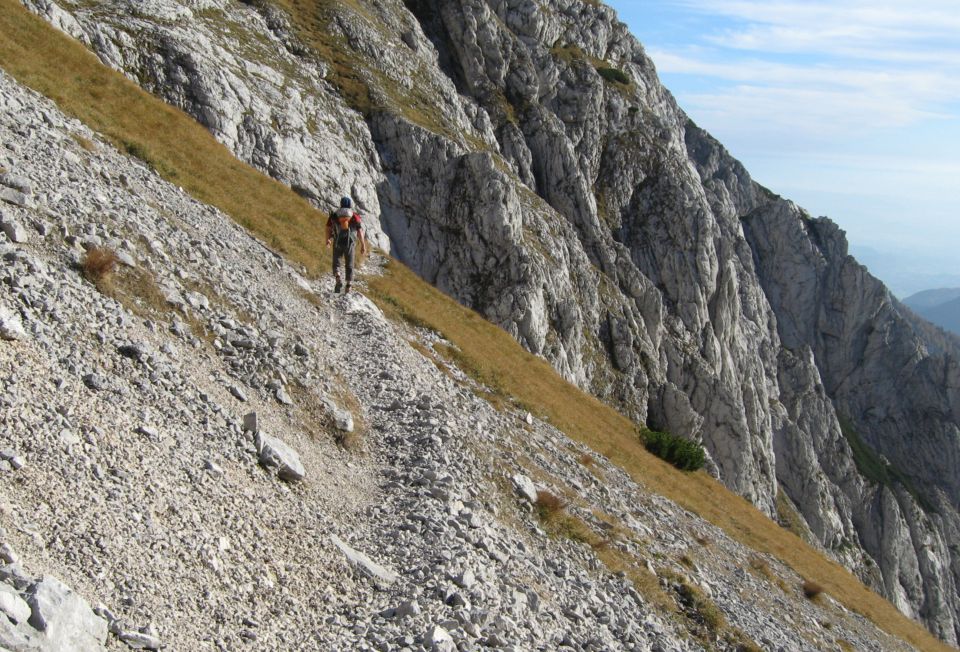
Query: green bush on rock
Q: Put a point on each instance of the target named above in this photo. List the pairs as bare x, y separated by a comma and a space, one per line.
682, 453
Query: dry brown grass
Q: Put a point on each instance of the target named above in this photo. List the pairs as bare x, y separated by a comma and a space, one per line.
702, 539
85, 143
135, 288
811, 590
355, 440
99, 264
185, 153
164, 137
552, 512
549, 506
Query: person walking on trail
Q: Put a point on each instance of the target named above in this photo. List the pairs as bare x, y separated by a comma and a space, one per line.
344, 229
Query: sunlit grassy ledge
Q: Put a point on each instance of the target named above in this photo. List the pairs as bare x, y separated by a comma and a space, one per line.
186, 154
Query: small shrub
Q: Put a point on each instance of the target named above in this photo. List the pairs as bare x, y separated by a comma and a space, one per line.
549, 505
762, 568
702, 539
614, 75
811, 589
682, 453
99, 264
743, 644
698, 607
84, 142
350, 441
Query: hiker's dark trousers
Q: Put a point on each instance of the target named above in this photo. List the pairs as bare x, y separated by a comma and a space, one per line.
345, 251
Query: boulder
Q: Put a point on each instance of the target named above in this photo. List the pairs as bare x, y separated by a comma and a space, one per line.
11, 604
275, 453
361, 561
11, 327
525, 487
65, 618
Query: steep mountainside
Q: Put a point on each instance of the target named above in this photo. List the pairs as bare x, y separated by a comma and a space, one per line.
135, 470
523, 157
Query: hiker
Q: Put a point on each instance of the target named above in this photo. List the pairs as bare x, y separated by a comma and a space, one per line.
343, 231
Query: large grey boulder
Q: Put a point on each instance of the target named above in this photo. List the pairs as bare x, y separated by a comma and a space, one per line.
274, 453
13, 606
65, 618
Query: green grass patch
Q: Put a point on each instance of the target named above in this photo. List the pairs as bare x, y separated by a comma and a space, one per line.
614, 75
682, 453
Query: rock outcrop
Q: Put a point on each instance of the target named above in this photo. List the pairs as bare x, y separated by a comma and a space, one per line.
525, 159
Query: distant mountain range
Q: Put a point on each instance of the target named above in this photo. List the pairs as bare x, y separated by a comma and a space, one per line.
906, 274
941, 307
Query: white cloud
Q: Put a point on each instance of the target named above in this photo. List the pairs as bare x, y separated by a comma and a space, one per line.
820, 67
798, 24
820, 102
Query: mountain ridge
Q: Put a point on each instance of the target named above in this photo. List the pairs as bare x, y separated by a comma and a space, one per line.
940, 307
636, 341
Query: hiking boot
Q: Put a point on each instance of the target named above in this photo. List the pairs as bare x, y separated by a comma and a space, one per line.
336, 288
346, 289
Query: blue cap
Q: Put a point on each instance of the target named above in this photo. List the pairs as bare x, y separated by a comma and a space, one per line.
346, 202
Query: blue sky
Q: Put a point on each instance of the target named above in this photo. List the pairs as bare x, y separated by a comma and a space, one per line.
851, 108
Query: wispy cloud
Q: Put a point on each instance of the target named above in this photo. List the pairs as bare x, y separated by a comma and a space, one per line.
820, 67
796, 26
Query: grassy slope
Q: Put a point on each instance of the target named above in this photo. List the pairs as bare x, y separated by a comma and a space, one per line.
186, 154
169, 140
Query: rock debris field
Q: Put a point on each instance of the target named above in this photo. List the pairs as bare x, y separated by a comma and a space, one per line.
208, 451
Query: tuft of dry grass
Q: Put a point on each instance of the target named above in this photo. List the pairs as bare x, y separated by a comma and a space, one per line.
702, 539
135, 288
549, 506
99, 264
761, 568
698, 609
811, 590
552, 512
84, 142
350, 441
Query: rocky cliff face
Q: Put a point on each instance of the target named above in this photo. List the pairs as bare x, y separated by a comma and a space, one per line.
523, 157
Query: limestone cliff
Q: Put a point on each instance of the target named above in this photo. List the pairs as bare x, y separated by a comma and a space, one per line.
523, 156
